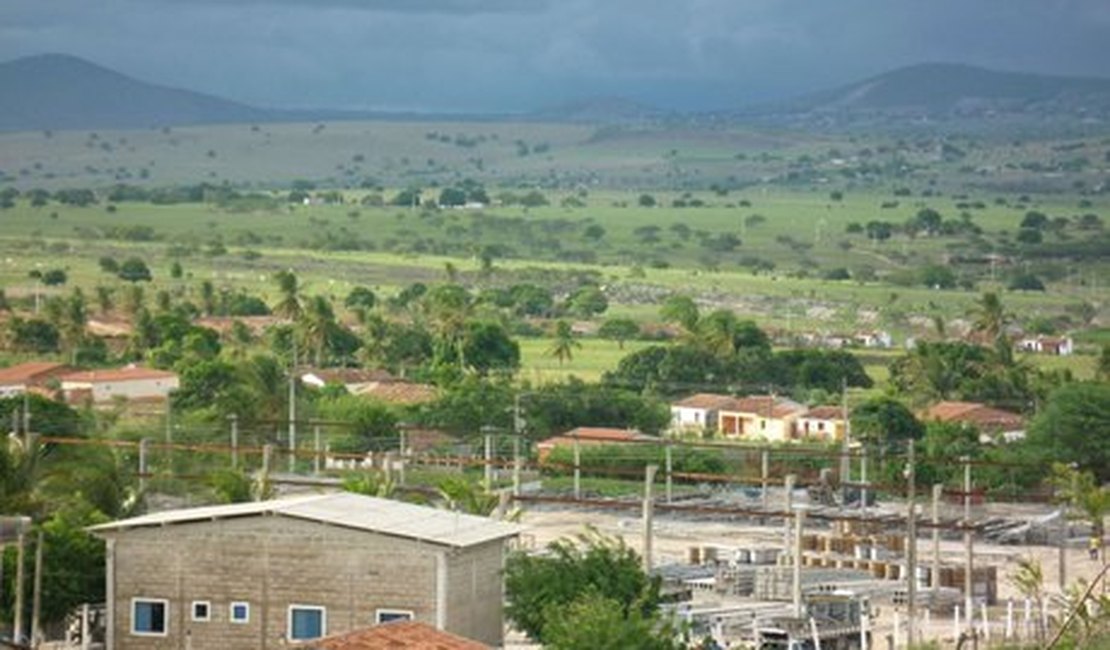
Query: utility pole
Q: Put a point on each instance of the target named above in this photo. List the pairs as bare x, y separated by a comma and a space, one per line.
668, 458
863, 480
845, 458
934, 579
316, 449
649, 480
788, 497
911, 547
20, 578
488, 473
577, 469
36, 595
796, 586
764, 475
293, 411
518, 425
143, 464
969, 562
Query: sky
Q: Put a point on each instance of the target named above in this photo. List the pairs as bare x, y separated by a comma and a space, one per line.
507, 56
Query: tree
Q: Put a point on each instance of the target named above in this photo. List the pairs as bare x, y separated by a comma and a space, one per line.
536, 586
1102, 370
1074, 427
360, 298
681, 310
990, 317
104, 302
646, 201
562, 348
134, 269
33, 335
487, 347
370, 425
594, 622
54, 277
935, 276
1026, 282
176, 271
289, 302
1086, 498
587, 301
315, 324
619, 330
885, 422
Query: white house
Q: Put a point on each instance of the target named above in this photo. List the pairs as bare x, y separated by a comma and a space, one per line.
18, 379
353, 379
698, 412
1058, 346
130, 382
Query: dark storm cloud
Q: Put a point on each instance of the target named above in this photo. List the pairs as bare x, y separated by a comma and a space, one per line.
504, 55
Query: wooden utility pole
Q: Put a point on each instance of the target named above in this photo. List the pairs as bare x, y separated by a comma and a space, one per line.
20, 578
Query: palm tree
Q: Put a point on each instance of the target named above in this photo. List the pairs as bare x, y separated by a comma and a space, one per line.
990, 317
75, 320
289, 305
104, 301
717, 332
207, 297
562, 348
315, 324
449, 307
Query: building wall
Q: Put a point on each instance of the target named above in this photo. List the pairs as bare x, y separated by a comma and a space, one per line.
691, 418
11, 390
131, 389
272, 562
473, 583
833, 429
746, 425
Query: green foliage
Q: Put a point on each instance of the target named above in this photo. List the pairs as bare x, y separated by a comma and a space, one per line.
1074, 427
594, 622
558, 407
48, 417
631, 459
230, 486
360, 298
827, 370
885, 422
32, 335
470, 404
369, 426
536, 586
619, 330
562, 348
587, 301
134, 269
962, 371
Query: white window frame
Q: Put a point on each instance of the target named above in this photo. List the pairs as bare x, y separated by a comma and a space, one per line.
231, 612
207, 608
289, 621
165, 616
393, 612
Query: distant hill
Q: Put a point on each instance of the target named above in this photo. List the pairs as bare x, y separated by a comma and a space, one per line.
599, 110
955, 90
58, 91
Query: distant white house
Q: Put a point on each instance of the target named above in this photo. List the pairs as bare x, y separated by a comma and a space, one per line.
1057, 346
130, 382
353, 379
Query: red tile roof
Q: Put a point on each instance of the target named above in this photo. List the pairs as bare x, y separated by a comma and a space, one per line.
400, 392
128, 373
761, 405
980, 415
397, 635
29, 372
825, 413
707, 401
596, 435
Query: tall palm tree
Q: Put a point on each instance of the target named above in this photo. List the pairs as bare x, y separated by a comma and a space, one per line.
75, 319
717, 332
289, 304
207, 297
316, 322
564, 345
990, 317
449, 308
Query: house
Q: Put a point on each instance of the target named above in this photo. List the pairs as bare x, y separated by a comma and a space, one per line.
698, 412
1056, 346
878, 339
402, 393
266, 574
822, 423
987, 419
590, 437
353, 379
395, 635
763, 416
130, 382
21, 378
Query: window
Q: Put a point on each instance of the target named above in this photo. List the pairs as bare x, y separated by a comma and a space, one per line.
387, 615
820, 426
202, 610
148, 616
763, 424
240, 612
307, 622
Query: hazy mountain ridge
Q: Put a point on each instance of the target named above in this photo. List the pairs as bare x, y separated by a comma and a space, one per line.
57, 91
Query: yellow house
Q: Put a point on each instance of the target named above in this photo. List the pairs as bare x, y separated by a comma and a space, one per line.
762, 416
824, 423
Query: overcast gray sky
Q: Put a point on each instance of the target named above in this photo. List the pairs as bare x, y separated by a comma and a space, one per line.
518, 55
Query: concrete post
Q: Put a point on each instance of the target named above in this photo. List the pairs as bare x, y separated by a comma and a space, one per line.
788, 505
144, 445
316, 448
796, 588
488, 474
516, 465
649, 480
969, 562
234, 417
403, 452
863, 479
669, 468
85, 631
577, 468
36, 595
934, 580
20, 578
911, 548
764, 476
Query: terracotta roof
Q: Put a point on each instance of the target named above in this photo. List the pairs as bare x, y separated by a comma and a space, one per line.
397, 635
825, 413
598, 434
762, 405
400, 392
349, 375
980, 415
127, 373
29, 372
706, 401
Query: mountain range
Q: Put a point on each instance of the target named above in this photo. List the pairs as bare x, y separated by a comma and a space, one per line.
57, 91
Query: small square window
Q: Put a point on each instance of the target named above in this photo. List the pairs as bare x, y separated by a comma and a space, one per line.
240, 612
148, 616
202, 610
387, 615
307, 622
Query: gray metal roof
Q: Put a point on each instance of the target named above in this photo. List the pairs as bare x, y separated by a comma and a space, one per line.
348, 511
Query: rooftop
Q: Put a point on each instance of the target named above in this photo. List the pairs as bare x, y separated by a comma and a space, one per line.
127, 373
397, 635
25, 372
980, 415
766, 405
705, 401
346, 510
600, 434
825, 413
348, 375
399, 392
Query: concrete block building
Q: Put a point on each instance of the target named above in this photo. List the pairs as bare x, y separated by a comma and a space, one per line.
274, 573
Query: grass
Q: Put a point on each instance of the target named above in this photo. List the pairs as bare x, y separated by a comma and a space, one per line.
588, 363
